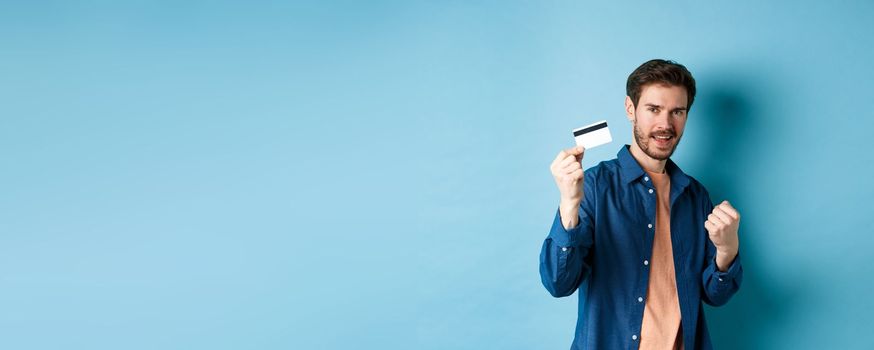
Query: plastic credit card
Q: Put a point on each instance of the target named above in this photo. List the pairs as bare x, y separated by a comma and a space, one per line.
593, 135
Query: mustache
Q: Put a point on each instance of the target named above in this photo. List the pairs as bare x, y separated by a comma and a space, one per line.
664, 132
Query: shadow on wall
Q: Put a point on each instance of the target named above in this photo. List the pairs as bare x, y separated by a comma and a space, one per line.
736, 133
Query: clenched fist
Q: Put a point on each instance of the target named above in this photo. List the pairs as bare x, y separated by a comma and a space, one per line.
722, 225
568, 173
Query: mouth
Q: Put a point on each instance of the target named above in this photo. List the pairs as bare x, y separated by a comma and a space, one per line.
663, 141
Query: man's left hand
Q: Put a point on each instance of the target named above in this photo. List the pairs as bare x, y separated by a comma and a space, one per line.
722, 225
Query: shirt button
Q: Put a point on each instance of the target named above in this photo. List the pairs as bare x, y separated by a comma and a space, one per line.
720, 279
646, 178
634, 337
564, 249
650, 225
639, 299
646, 262
650, 190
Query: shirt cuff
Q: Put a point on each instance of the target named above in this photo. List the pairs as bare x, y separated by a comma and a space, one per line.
730, 274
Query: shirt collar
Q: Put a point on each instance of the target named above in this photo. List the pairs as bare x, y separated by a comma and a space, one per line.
630, 170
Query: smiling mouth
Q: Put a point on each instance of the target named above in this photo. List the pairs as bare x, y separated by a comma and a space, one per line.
662, 139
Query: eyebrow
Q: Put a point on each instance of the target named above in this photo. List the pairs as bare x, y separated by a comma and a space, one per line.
657, 106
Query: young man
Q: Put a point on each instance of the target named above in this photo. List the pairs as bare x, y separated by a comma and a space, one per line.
641, 239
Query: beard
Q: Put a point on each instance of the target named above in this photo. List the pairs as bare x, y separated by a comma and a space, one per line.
650, 147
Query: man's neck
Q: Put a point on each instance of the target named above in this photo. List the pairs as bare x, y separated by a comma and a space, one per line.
648, 163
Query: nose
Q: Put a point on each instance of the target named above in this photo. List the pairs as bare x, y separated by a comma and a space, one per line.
662, 121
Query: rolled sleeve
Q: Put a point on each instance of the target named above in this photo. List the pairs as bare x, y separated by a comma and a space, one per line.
567, 238
720, 286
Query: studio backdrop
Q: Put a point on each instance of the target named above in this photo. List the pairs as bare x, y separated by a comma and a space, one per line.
375, 174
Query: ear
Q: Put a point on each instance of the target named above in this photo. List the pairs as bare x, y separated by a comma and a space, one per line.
629, 109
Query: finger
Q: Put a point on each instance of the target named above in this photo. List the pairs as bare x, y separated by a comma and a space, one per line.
571, 167
568, 172
727, 219
709, 226
577, 174
565, 153
561, 161
716, 220
561, 155
575, 150
730, 210
567, 161
579, 157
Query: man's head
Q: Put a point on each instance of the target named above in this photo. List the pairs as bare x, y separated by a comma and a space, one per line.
659, 96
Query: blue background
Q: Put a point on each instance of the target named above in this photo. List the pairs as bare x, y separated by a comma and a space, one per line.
374, 175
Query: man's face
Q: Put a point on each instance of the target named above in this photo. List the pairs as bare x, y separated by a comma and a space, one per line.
659, 119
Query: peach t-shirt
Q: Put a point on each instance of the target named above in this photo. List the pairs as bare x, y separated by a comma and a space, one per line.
661, 315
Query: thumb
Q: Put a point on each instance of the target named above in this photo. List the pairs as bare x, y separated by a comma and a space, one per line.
580, 151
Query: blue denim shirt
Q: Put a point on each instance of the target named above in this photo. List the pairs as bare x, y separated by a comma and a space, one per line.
606, 256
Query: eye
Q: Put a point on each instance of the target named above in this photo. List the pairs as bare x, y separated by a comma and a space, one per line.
653, 109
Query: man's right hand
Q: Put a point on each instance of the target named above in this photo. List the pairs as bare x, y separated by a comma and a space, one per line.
568, 173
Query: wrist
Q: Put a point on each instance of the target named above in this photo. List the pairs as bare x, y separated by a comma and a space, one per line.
568, 210
726, 252
568, 207
724, 259
570, 202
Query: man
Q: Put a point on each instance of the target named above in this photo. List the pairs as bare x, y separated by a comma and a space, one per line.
641, 239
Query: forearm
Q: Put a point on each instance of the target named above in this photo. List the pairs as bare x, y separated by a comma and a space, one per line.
569, 211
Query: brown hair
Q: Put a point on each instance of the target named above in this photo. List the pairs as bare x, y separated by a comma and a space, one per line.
659, 71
